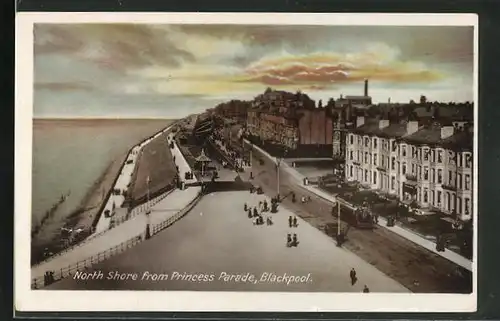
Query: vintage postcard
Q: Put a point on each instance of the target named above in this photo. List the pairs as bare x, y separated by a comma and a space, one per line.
246, 162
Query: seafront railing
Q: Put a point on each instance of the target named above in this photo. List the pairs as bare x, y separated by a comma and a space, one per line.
39, 282
172, 219
64, 272
140, 209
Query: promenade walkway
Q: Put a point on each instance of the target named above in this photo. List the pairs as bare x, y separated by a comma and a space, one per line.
123, 182
222, 239
401, 231
135, 227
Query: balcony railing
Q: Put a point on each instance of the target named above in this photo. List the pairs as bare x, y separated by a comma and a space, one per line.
449, 187
411, 177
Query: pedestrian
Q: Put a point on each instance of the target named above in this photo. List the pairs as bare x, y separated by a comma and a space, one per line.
249, 213
366, 289
255, 211
295, 241
288, 240
295, 221
353, 277
290, 220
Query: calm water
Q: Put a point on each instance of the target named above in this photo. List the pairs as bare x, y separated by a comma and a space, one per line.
71, 155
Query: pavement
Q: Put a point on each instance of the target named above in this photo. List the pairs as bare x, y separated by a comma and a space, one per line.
407, 234
123, 181
136, 226
218, 239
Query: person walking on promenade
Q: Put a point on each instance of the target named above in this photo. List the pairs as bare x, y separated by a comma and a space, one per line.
295, 221
353, 277
295, 241
290, 220
366, 289
288, 240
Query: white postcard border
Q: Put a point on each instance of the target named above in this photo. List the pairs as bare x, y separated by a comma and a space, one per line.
26, 299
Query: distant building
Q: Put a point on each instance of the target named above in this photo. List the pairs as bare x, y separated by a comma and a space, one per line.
429, 165
290, 120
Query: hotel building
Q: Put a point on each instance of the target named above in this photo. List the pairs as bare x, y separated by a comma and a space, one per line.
427, 165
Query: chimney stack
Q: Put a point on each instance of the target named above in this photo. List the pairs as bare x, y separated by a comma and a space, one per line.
447, 131
411, 127
360, 121
383, 123
366, 87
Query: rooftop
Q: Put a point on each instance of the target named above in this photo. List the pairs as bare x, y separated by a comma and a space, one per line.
372, 128
431, 135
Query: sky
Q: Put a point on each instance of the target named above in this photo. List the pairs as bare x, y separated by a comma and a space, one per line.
144, 71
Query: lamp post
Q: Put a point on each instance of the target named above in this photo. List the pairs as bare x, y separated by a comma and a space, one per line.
278, 164
148, 205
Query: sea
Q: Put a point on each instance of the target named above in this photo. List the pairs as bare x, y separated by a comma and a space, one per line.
69, 156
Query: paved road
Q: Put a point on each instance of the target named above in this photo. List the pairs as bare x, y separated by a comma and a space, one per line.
396, 256
217, 237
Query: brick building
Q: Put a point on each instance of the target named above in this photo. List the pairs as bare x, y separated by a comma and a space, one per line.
290, 120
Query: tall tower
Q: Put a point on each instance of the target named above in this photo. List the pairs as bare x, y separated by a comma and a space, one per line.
366, 87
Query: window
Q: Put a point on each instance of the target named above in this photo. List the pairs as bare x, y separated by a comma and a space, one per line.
426, 173
412, 168
440, 156
366, 157
383, 162
394, 146
399, 166
375, 159
468, 160
426, 196
426, 154
433, 175
366, 175
450, 178
459, 204
459, 159
350, 171
467, 182
359, 140
393, 182
374, 177
467, 206
413, 151
459, 179
403, 151
358, 158
433, 153
404, 168
440, 176
439, 198
352, 139
419, 172
350, 154
374, 143
367, 141
393, 163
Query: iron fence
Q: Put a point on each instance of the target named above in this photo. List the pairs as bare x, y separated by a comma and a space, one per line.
136, 211
56, 275
171, 220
